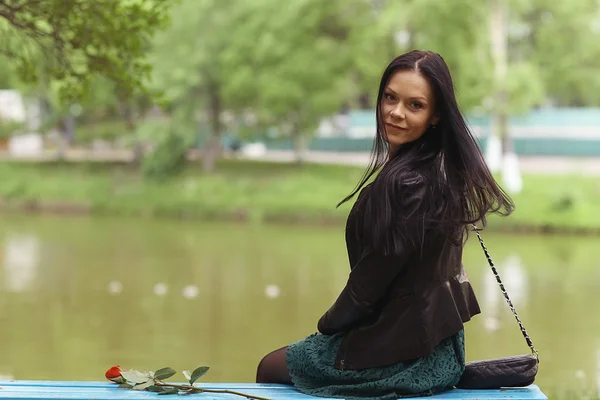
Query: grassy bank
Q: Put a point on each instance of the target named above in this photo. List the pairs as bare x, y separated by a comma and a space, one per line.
262, 192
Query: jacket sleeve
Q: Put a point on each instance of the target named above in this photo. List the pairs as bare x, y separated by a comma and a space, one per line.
370, 279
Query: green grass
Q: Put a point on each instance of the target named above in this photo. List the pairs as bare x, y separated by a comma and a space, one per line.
573, 394
266, 191
556, 203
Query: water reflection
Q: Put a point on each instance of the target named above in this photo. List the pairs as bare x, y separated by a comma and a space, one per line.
190, 292
115, 287
272, 291
147, 294
20, 264
160, 289
515, 280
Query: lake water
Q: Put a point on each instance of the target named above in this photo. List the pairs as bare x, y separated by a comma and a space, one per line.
82, 294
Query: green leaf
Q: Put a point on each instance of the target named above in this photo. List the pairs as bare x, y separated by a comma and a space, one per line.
125, 386
156, 389
198, 372
164, 373
169, 391
144, 386
76, 51
187, 374
136, 376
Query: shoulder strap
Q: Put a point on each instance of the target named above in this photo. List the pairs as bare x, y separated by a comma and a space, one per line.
512, 308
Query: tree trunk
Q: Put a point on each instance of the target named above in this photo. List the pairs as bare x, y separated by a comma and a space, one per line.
66, 136
62, 146
129, 115
211, 152
499, 127
138, 153
127, 111
299, 143
511, 174
69, 128
212, 149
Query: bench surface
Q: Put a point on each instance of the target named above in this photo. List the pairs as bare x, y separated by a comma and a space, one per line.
108, 391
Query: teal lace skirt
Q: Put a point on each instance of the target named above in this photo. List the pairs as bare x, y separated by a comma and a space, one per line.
311, 366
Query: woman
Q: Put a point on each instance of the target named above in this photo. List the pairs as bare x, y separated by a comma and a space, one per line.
396, 329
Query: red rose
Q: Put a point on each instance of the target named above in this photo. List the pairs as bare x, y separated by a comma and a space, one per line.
114, 374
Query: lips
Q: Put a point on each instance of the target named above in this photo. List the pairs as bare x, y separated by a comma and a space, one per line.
396, 127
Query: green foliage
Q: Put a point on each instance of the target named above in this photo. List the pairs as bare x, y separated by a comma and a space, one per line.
172, 140
125, 386
244, 67
9, 128
197, 374
552, 47
259, 59
561, 42
164, 373
72, 41
524, 86
136, 377
166, 159
188, 63
295, 76
287, 72
7, 73
155, 382
108, 130
268, 192
459, 31
187, 57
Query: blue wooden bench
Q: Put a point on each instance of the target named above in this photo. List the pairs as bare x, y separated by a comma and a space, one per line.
52, 390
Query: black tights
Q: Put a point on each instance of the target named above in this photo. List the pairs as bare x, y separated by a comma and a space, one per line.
273, 368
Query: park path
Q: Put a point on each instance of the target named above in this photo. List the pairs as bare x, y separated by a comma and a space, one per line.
552, 165
539, 164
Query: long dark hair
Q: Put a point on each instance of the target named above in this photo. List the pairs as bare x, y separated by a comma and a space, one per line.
460, 188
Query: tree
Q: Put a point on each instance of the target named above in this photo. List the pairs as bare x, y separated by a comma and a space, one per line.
534, 65
299, 68
283, 64
189, 66
72, 41
506, 56
561, 41
454, 29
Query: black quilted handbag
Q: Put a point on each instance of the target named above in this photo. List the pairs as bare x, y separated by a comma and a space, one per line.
516, 371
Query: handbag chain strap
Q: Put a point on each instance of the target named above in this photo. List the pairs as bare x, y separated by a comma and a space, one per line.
510, 304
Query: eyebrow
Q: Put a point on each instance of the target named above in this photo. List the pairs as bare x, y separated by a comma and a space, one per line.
412, 98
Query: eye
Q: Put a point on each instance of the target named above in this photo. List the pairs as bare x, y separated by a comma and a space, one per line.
416, 105
389, 96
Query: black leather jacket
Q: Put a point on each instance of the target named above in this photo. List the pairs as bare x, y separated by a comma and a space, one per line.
396, 308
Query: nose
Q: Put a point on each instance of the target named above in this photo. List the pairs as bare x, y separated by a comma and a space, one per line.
397, 112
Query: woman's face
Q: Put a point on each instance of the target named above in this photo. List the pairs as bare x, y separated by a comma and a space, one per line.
408, 108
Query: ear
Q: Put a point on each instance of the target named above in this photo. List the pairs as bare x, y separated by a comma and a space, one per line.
435, 119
